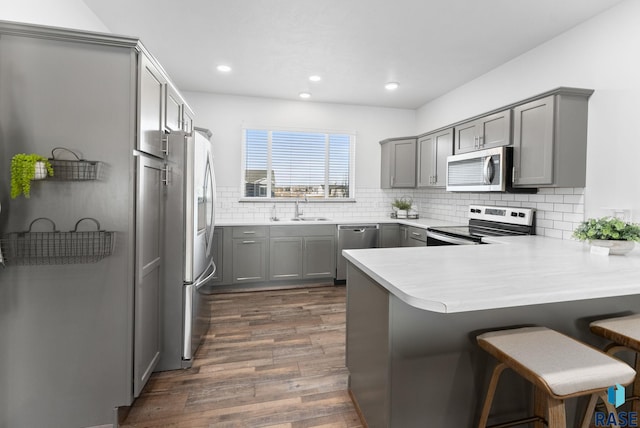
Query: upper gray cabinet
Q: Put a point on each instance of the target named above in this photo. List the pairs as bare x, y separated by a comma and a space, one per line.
550, 140
162, 109
152, 84
433, 150
486, 132
398, 167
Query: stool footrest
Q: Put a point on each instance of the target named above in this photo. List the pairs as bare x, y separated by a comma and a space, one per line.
519, 422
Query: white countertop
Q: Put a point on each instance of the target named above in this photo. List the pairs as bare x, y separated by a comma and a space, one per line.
422, 222
511, 271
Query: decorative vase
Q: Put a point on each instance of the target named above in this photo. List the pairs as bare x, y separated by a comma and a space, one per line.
616, 247
40, 171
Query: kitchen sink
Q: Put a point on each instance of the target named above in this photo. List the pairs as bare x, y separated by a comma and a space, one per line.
310, 219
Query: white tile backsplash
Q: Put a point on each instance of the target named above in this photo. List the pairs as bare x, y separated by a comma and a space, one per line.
558, 211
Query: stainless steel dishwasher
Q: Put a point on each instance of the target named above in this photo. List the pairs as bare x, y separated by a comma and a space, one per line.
353, 236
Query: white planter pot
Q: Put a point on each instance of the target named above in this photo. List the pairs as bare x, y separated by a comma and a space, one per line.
401, 213
41, 171
615, 247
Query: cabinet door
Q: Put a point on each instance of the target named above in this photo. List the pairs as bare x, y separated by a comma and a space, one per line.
433, 150
466, 137
285, 261
405, 239
533, 143
249, 260
151, 104
403, 163
426, 153
495, 130
319, 257
173, 110
443, 145
187, 119
389, 235
147, 289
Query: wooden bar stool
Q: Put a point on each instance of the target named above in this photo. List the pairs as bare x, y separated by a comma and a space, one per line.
624, 332
558, 366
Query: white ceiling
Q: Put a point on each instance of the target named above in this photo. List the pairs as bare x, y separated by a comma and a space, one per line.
428, 46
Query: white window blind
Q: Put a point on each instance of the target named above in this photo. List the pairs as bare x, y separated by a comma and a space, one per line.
293, 164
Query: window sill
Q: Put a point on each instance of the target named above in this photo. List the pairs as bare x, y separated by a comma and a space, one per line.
291, 201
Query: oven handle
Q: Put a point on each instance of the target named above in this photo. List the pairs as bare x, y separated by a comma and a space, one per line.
449, 239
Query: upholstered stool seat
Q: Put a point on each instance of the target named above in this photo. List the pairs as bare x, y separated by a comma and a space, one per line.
624, 332
558, 366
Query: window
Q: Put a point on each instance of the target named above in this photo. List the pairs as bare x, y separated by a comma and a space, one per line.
295, 164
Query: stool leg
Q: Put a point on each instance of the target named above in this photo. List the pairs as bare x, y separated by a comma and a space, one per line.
493, 383
557, 415
539, 406
588, 413
635, 404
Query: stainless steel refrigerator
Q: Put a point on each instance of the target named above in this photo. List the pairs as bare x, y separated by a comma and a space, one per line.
189, 250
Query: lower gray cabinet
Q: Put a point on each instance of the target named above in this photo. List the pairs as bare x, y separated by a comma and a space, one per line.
319, 257
249, 260
285, 261
389, 235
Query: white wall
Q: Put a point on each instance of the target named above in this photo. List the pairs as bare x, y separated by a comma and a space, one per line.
225, 115
600, 54
59, 13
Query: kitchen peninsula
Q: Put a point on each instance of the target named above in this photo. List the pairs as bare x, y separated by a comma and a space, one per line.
413, 314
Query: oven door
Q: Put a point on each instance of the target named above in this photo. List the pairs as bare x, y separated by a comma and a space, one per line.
437, 238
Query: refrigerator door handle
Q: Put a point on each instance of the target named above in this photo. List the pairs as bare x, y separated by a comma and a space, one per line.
202, 281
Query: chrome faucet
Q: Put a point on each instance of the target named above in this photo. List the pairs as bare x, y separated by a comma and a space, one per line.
297, 213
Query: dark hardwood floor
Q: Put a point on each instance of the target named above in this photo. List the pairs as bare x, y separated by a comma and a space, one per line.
270, 359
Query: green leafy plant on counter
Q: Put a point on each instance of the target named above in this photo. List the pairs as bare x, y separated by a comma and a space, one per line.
402, 203
607, 228
23, 171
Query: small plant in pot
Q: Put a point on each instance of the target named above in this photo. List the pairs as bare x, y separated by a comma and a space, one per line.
402, 206
609, 232
24, 169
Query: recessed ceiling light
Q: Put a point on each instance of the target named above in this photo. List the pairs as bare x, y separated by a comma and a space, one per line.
315, 78
305, 95
391, 86
223, 68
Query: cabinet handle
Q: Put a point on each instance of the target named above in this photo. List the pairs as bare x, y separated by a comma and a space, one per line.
164, 176
480, 141
165, 142
249, 232
247, 278
416, 234
248, 242
513, 174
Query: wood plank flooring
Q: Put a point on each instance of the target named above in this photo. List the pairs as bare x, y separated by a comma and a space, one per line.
270, 359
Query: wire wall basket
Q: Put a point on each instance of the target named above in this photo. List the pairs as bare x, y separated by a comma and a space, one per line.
56, 247
73, 169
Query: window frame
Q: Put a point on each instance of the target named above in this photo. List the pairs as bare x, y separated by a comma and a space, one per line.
270, 130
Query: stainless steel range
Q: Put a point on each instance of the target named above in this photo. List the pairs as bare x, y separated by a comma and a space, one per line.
485, 221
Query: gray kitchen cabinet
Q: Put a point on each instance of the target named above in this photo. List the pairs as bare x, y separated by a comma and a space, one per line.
489, 131
285, 260
404, 240
417, 237
149, 262
249, 254
319, 257
173, 109
302, 252
398, 167
550, 141
433, 150
389, 235
187, 118
152, 101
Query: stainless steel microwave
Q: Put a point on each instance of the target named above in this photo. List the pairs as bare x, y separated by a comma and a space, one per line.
479, 171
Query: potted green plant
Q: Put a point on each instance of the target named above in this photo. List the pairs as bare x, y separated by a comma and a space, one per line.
610, 232
402, 206
24, 169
